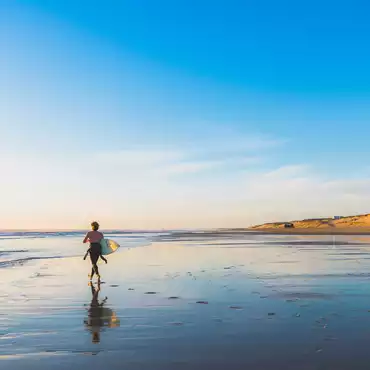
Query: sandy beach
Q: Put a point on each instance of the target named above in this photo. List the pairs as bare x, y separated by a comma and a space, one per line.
235, 301
348, 225
315, 231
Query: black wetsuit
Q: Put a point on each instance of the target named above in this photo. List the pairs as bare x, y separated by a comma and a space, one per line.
95, 252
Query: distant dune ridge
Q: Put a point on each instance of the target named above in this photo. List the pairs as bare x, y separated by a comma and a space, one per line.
348, 222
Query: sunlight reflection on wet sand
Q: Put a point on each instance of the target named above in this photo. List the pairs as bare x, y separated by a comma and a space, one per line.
215, 302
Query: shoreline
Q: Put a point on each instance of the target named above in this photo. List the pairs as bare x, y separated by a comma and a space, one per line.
313, 231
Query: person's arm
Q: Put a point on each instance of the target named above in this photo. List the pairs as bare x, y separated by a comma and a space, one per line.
86, 238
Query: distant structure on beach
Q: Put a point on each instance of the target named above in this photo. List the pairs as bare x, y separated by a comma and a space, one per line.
339, 222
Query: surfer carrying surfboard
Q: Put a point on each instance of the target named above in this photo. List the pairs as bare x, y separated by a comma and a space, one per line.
94, 237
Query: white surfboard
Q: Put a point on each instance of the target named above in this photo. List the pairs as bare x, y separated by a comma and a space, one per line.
108, 246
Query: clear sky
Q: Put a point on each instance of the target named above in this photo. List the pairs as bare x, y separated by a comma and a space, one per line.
170, 114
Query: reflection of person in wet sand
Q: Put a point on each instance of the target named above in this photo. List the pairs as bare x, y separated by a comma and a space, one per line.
99, 316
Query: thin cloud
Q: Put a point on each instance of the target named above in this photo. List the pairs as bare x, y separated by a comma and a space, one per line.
231, 152
137, 157
191, 167
231, 164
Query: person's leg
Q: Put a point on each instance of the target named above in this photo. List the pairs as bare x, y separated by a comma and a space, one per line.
101, 256
96, 270
87, 252
92, 264
94, 259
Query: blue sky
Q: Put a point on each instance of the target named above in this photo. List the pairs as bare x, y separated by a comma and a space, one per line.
150, 114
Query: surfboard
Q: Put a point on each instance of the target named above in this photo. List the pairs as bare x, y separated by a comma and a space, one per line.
108, 246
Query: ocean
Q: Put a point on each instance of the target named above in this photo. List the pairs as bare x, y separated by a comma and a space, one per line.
17, 248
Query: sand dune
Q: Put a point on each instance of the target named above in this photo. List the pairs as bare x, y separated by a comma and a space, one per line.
348, 224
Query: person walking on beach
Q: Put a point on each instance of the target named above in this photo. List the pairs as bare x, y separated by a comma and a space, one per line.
94, 237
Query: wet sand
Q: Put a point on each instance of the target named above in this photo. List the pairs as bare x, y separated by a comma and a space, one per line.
259, 302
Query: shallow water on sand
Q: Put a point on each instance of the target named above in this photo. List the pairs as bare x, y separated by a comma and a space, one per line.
190, 301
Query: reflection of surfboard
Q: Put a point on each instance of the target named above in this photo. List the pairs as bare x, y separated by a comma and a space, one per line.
108, 246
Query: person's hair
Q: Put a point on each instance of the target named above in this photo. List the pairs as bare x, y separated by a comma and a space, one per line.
95, 226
